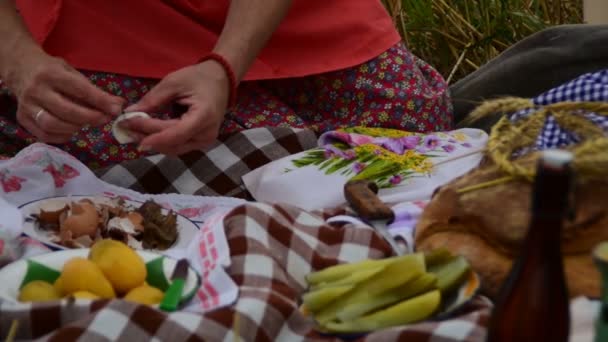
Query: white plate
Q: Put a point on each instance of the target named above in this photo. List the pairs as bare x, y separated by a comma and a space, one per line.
12, 275
186, 229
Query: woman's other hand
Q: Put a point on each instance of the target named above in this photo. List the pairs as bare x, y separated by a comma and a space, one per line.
203, 88
54, 99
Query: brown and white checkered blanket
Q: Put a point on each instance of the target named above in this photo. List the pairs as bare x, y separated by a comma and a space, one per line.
218, 171
272, 249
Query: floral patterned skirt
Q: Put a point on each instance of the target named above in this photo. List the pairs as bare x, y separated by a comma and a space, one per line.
394, 90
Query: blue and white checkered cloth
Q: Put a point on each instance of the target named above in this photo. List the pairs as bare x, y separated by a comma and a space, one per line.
592, 87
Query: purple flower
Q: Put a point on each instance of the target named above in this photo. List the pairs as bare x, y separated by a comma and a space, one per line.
332, 151
334, 136
431, 142
328, 153
395, 180
410, 142
377, 152
349, 155
452, 141
393, 145
448, 148
359, 139
358, 167
468, 145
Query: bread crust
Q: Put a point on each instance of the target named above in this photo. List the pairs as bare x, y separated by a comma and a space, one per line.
488, 227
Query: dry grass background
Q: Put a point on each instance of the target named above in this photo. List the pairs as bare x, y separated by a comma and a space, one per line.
458, 36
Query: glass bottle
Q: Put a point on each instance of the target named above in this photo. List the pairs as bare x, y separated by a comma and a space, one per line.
600, 255
533, 304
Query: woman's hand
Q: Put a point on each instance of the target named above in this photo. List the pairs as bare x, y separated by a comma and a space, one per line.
203, 88
55, 100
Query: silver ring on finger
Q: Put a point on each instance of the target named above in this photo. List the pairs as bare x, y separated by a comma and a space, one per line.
38, 115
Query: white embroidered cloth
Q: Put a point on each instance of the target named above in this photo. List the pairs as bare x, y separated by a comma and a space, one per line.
406, 166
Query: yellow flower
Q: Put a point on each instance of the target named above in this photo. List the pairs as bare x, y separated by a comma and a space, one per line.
337, 84
378, 131
361, 95
363, 68
383, 116
411, 105
81, 143
259, 118
410, 160
442, 135
390, 93
425, 167
398, 60
113, 150
381, 75
460, 136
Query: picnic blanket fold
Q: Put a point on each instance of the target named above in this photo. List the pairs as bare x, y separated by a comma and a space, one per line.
272, 248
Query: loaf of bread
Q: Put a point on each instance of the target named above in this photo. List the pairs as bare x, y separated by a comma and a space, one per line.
488, 226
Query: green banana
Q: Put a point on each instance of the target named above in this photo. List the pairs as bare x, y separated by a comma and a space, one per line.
316, 300
437, 256
337, 272
353, 278
405, 312
400, 271
451, 274
424, 283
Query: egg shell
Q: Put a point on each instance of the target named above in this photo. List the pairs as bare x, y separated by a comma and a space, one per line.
50, 211
82, 220
137, 219
120, 133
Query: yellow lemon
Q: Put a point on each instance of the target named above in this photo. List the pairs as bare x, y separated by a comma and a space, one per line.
121, 265
38, 291
80, 274
59, 286
145, 295
84, 295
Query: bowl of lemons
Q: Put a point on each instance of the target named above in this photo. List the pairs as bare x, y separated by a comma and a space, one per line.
108, 270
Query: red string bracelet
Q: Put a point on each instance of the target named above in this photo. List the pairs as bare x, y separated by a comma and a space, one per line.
229, 71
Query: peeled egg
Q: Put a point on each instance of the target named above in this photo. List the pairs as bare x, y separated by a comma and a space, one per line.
120, 133
131, 224
122, 224
82, 219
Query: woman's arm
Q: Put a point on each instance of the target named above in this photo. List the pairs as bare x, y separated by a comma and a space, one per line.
204, 88
15, 37
54, 100
249, 25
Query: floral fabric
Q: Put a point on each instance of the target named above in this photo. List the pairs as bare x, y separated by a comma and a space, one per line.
406, 166
395, 90
387, 157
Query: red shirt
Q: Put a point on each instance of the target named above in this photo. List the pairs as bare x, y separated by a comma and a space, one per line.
150, 38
